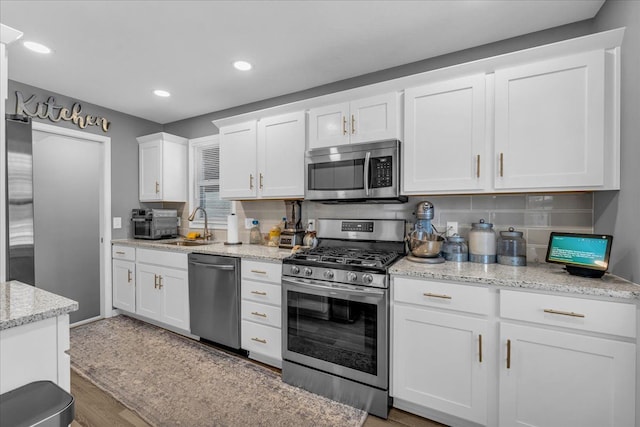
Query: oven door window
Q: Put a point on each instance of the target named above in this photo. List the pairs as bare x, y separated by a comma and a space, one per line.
337, 175
335, 330
142, 228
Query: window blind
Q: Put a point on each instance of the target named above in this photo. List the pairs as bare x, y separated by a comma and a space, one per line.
207, 185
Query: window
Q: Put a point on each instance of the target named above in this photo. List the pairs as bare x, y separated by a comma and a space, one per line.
204, 183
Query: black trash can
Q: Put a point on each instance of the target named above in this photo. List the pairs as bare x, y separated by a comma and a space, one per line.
37, 404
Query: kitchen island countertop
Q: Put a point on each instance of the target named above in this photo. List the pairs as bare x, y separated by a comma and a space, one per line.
257, 252
21, 304
538, 276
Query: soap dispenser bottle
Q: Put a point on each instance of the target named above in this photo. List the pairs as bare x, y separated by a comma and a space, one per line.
255, 236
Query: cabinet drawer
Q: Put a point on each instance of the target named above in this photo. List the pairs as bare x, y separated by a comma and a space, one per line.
123, 252
266, 271
587, 315
471, 299
262, 339
163, 258
261, 313
267, 293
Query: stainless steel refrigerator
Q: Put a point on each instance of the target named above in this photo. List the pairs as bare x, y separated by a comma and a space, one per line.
20, 230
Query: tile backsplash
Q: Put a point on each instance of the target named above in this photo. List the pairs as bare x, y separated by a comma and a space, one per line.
534, 214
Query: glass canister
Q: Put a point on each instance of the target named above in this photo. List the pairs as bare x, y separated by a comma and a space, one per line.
482, 243
512, 248
455, 249
255, 236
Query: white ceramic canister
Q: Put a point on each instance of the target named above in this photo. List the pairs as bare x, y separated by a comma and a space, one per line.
482, 243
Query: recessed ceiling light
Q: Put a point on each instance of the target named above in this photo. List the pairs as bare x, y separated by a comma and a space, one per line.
242, 65
36, 47
160, 92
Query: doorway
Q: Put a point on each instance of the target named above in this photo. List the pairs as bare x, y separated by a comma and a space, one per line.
71, 219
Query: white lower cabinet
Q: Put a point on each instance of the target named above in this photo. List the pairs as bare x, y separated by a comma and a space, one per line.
560, 379
470, 355
440, 357
155, 286
261, 314
124, 285
564, 378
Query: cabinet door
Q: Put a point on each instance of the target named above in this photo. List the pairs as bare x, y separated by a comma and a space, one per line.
238, 178
175, 303
445, 136
329, 126
439, 361
150, 173
551, 378
148, 294
281, 146
549, 124
375, 118
124, 285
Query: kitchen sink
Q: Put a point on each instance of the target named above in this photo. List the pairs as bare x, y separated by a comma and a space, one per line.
187, 243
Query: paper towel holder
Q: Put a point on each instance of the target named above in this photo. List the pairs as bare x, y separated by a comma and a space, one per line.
230, 243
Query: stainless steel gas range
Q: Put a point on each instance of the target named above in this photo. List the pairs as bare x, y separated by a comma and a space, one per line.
335, 335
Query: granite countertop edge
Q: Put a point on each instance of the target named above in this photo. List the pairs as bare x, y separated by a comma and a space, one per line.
32, 304
541, 277
248, 251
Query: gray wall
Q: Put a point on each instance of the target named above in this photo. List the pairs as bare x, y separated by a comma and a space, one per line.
124, 147
616, 212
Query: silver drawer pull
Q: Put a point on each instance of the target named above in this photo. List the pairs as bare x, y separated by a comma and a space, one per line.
564, 313
429, 294
119, 252
259, 340
258, 271
255, 313
258, 292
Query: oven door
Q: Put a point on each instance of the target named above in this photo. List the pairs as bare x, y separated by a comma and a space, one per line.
336, 328
142, 228
353, 172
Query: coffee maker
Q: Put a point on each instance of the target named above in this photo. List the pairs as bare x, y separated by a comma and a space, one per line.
293, 233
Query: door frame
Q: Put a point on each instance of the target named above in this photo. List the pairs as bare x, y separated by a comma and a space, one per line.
104, 208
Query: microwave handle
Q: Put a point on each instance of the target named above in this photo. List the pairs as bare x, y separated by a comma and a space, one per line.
367, 160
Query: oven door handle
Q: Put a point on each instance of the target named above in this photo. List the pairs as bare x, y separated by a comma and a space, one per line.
367, 160
312, 284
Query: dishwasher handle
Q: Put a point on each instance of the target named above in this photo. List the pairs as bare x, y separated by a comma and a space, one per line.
215, 266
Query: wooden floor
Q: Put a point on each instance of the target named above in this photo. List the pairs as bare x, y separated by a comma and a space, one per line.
95, 408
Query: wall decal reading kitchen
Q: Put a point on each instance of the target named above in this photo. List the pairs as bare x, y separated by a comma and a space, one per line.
55, 113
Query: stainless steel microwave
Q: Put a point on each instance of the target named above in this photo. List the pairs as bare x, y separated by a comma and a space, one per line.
354, 173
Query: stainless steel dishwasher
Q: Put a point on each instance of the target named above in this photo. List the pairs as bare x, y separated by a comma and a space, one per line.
214, 298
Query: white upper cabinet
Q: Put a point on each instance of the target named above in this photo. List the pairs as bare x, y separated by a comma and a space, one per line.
444, 146
162, 168
549, 124
238, 161
263, 159
364, 120
281, 155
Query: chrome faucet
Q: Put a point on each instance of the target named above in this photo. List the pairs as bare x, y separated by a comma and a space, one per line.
206, 221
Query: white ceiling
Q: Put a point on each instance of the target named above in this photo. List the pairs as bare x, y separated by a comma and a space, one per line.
115, 53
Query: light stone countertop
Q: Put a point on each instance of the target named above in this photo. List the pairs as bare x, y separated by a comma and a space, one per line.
21, 304
245, 250
538, 276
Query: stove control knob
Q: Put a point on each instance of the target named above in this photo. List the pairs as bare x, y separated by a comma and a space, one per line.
295, 269
351, 276
307, 271
367, 279
328, 274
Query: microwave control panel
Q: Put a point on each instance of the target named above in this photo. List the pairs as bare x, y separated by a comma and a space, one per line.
381, 172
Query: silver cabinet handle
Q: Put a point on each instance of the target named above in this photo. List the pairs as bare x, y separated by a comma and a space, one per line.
258, 271
259, 340
128, 276
508, 354
480, 348
501, 165
563, 313
157, 187
255, 313
250, 181
353, 124
155, 281
344, 125
258, 292
478, 166
119, 252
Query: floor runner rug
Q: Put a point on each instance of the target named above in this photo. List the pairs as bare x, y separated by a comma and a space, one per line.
171, 380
